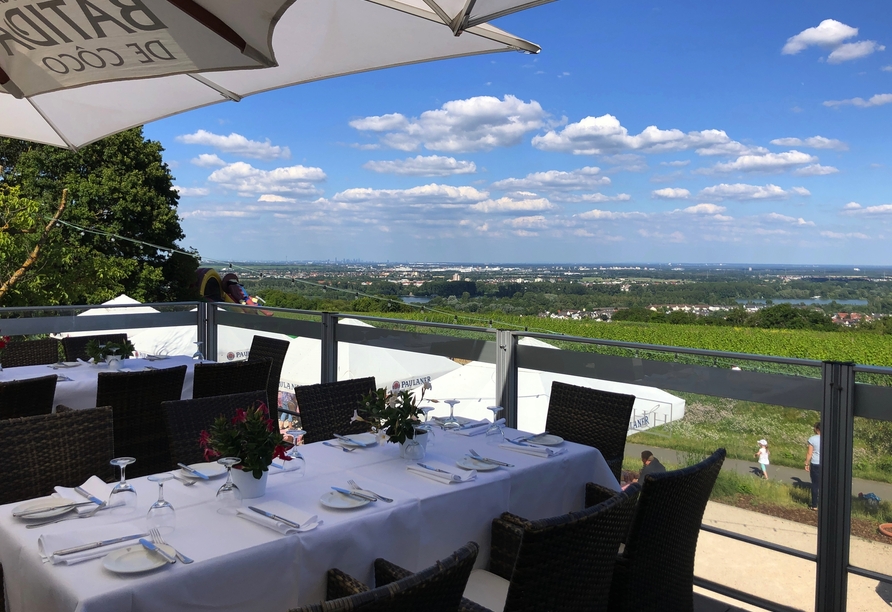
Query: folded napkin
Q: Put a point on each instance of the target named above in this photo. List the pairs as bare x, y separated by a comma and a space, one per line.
445, 478
306, 521
475, 428
94, 486
533, 449
47, 544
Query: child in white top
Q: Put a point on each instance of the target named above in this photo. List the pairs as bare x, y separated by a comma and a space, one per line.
762, 454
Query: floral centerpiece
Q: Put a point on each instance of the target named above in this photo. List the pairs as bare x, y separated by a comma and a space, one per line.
394, 412
110, 349
251, 435
4, 340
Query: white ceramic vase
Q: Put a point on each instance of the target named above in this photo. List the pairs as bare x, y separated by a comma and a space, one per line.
113, 361
249, 486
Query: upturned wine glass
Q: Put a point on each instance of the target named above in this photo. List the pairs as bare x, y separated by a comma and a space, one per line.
451, 422
229, 498
198, 354
161, 514
494, 434
297, 464
413, 451
122, 499
427, 426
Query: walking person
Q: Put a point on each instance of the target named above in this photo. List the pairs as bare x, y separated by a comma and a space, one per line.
813, 465
762, 455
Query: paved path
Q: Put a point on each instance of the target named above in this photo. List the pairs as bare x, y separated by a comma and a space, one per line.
791, 476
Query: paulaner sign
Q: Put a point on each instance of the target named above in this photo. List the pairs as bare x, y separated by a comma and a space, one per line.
46, 45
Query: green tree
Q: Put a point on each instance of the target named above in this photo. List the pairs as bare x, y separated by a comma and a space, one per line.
119, 185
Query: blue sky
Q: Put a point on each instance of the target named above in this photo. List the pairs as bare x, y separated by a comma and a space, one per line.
643, 132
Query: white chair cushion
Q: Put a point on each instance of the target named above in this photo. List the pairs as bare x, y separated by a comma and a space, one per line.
487, 589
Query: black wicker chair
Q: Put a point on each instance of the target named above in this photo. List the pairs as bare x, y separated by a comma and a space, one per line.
185, 419
27, 397
655, 571
30, 352
326, 409
226, 378
75, 347
139, 427
262, 347
560, 564
591, 417
435, 589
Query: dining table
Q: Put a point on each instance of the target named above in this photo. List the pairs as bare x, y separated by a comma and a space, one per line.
240, 565
77, 380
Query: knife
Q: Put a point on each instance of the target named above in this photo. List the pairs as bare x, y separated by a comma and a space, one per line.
519, 442
350, 440
356, 495
92, 545
84, 493
65, 507
276, 517
488, 460
433, 469
149, 546
473, 425
533, 437
193, 471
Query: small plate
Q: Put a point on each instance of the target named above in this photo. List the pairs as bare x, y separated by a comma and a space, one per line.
362, 440
469, 463
135, 559
155, 357
211, 470
547, 440
60, 506
333, 499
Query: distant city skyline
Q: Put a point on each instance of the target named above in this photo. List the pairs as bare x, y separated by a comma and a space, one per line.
753, 133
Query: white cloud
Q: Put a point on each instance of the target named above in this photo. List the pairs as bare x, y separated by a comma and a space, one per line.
704, 209
269, 197
246, 179
802, 191
671, 193
594, 198
769, 162
533, 222
814, 142
611, 215
853, 208
676, 164
855, 50
791, 220
628, 162
191, 192
829, 33
815, 170
842, 236
460, 126
508, 204
433, 194
877, 100
582, 178
672, 237
208, 160
742, 191
236, 144
887, 68
432, 165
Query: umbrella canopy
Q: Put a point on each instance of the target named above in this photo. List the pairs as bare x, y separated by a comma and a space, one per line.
75, 71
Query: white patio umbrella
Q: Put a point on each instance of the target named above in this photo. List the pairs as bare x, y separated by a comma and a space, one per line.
72, 72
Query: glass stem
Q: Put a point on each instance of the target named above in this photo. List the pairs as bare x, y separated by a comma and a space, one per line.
160, 492
123, 480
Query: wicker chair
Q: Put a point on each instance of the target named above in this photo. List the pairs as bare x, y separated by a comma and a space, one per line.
591, 417
30, 352
560, 564
27, 397
75, 347
326, 409
262, 347
212, 379
655, 571
185, 419
435, 589
139, 427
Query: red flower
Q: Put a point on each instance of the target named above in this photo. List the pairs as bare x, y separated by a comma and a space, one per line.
240, 416
262, 408
210, 454
279, 453
3, 341
271, 425
204, 438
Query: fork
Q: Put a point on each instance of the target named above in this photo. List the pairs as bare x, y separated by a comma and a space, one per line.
157, 539
101, 506
356, 487
343, 448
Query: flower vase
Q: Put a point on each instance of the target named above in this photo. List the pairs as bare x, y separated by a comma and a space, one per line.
420, 437
249, 486
113, 361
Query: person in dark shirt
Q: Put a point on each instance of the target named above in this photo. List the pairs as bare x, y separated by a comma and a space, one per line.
652, 465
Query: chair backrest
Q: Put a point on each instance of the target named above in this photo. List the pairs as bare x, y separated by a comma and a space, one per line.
662, 540
27, 397
75, 347
326, 409
226, 378
591, 417
139, 427
184, 421
436, 589
565, 563
275, 349
41, 452
30, 352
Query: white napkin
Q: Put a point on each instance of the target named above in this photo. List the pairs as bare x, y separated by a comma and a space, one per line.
47, 544
306, 521
447, 478
533, 449
94, 486
479, 429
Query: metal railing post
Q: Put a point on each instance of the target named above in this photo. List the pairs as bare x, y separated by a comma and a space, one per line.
209, 348
329, 369
835, 503
506, 375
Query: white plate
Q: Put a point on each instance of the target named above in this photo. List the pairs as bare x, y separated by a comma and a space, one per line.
362, 439
547, 440
211, 470
60, 506
469, 463
333, 499
135, 559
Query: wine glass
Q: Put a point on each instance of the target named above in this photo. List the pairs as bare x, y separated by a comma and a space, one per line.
413, 451
161, 515
451, 422
426, 426
198, 354
229, 498
297, 464
122, 499
494, 434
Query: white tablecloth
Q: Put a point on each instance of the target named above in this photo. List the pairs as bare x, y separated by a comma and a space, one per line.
240, 565
80, 391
